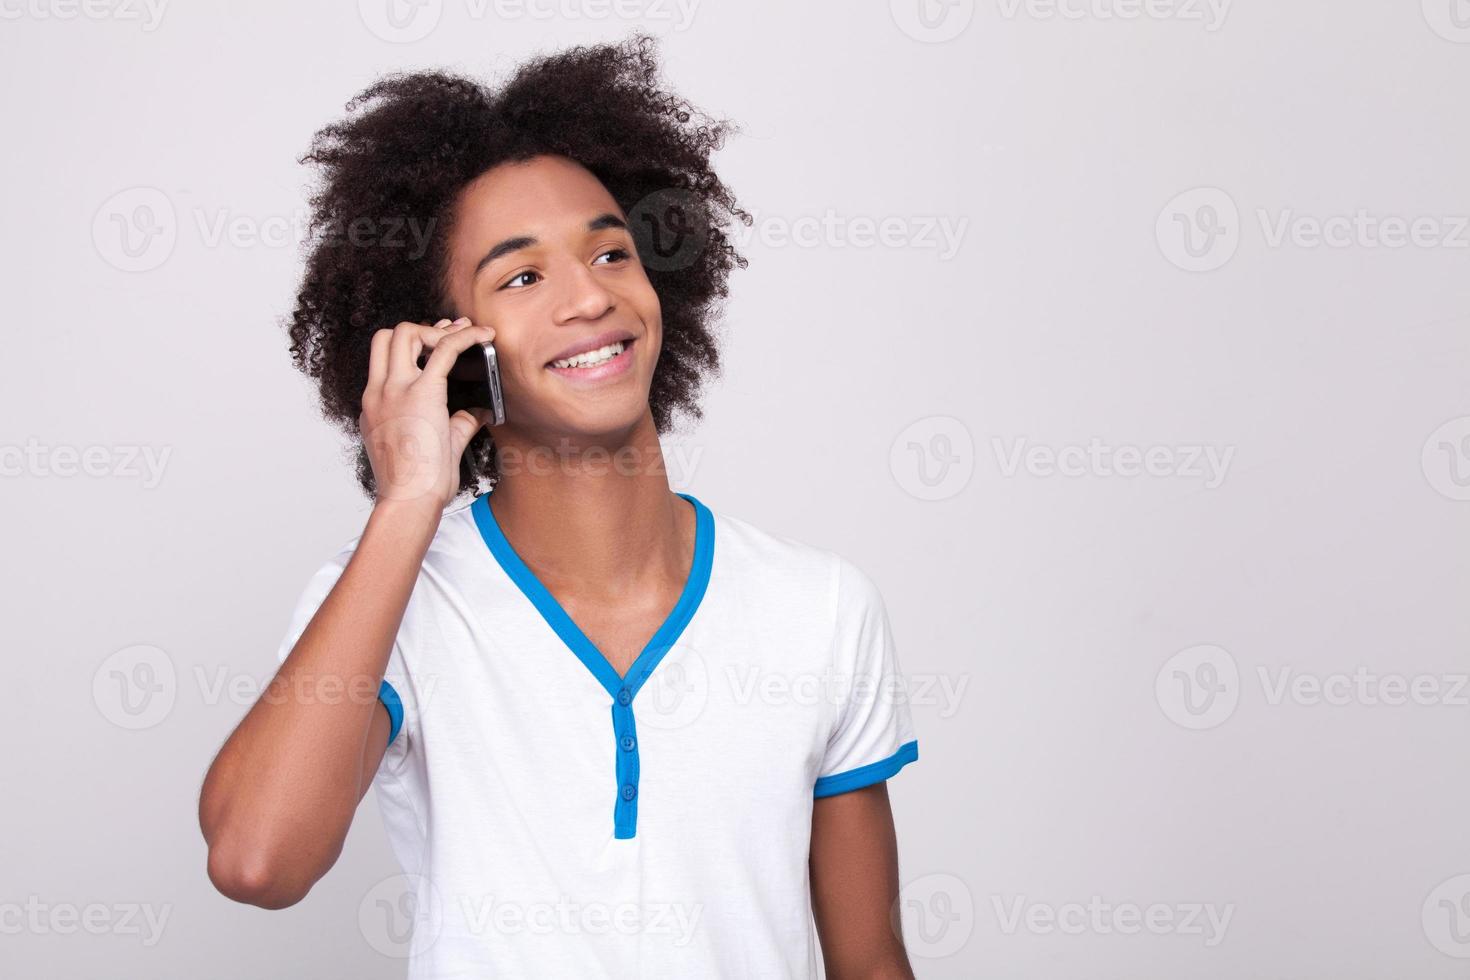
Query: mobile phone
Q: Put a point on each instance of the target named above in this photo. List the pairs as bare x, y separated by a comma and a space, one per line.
474, 380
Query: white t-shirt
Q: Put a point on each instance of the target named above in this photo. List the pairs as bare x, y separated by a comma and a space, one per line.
555, 820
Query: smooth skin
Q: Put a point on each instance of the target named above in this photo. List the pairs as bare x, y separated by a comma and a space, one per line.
584, 499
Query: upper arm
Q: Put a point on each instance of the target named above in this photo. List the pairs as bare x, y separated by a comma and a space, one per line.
854, 853
854, 877
395, 702
872, 735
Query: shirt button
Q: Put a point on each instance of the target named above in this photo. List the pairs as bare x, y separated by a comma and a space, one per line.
627, 743
624, 696
629, 791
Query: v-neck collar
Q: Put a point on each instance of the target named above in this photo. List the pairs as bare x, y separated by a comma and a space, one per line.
571, 634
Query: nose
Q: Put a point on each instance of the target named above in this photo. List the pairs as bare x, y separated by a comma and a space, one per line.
581, 296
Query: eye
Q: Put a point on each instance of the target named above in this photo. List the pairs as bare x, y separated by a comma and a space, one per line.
521, 275
622, 254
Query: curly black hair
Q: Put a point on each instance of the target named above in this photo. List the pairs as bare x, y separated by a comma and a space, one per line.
391, 173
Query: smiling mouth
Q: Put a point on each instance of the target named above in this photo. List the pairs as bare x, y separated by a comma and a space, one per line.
593, 358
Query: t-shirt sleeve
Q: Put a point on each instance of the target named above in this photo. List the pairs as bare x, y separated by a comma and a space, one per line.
395, 692
873, 736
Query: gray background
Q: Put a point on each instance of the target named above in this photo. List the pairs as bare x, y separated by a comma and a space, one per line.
1115, 731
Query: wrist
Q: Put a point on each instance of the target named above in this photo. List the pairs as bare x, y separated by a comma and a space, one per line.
419, 514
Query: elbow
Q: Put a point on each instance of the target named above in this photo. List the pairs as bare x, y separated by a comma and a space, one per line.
250, 879
256, 857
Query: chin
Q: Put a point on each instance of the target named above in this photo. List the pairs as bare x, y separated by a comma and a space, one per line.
586, 416
607, 422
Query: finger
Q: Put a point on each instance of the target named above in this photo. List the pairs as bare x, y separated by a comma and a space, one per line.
445, 326
378, 360
452, 328
449, 346
463, 425
409, 339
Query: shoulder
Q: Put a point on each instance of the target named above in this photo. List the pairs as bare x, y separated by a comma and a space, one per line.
788, 563
455, 540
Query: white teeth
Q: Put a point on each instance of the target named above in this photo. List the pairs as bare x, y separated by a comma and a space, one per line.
591, 358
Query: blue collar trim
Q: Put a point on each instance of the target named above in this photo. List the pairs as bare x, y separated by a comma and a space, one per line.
662, 640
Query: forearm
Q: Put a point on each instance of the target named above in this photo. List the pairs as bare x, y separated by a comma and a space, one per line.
279, 798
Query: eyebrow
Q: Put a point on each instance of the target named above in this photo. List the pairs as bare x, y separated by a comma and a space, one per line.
605, 220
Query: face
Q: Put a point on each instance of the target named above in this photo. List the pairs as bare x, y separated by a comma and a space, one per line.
541, 252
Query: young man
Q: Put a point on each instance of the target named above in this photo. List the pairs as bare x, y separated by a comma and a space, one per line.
656, 735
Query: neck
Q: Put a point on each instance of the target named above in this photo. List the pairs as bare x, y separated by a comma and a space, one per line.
594, 516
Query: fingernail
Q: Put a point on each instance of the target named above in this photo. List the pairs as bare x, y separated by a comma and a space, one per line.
463, 319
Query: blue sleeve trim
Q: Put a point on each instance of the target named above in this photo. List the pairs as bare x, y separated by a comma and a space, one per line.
394, 704
844, 782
